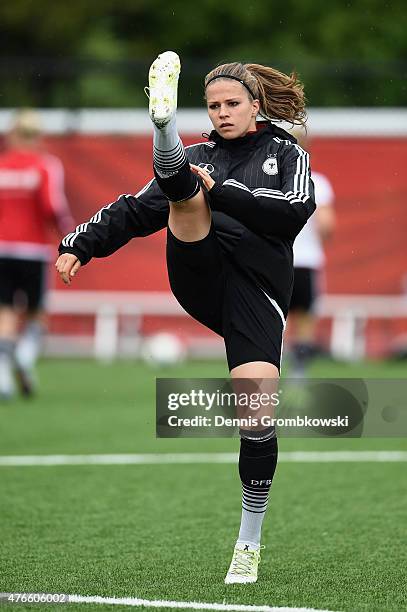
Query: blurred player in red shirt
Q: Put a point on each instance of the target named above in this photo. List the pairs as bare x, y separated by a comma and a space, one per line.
32, 201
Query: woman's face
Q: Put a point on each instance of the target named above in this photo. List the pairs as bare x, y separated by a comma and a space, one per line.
230, 109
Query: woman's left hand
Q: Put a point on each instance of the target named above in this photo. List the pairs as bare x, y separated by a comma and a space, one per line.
204, 176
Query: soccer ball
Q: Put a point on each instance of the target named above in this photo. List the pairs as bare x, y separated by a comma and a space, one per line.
163, 349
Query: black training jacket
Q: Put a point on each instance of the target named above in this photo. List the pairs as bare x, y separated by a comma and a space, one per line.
263, 196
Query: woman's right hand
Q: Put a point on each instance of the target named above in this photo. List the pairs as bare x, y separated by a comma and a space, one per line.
204, 176
67, 265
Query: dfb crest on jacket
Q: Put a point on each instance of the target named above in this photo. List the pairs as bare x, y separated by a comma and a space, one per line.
270, 166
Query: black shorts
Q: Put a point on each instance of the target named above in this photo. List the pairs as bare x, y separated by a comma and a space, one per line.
304, 290
221, 297
23, 282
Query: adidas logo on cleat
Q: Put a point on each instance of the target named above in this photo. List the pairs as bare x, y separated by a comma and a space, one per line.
244, 566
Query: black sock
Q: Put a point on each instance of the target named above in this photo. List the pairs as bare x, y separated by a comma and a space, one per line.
257, 465
304, 352
179, 186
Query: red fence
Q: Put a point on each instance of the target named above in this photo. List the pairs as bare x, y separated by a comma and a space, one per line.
368, 254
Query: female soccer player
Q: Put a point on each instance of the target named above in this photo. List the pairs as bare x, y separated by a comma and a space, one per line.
232, 207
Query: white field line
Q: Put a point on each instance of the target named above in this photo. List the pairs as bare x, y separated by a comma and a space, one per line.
180, 605
167, 458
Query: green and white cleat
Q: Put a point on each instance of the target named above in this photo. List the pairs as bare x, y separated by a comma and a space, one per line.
163, 85
244, 565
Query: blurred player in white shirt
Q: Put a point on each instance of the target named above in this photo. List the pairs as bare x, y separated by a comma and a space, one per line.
309, 260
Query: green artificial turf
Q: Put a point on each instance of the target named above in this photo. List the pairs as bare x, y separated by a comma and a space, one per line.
334, 532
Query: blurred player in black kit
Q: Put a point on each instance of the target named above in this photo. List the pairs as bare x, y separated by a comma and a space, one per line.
232, 207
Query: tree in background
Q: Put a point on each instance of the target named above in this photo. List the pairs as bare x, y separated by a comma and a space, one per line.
96, 53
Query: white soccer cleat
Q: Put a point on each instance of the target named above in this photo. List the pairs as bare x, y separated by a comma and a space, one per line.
244, 565
163, 86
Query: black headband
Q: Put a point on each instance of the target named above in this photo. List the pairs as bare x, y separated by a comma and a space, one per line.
229, 76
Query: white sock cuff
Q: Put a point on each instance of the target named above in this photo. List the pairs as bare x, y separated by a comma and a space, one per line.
166, 138
167, 163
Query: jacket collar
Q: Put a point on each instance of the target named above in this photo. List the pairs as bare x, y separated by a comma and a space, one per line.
253, 139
